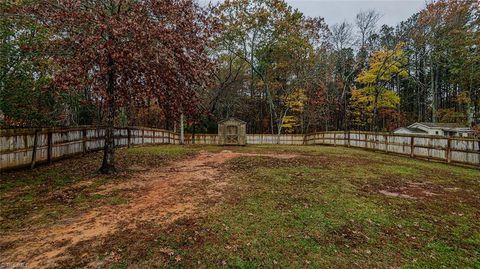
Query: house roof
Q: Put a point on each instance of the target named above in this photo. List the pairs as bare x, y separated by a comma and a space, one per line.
442, 125
446, 127
413, 130
416, 130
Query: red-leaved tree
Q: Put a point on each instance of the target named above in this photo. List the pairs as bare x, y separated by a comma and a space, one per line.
129, 51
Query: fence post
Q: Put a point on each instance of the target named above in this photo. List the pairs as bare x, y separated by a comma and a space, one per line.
34, 150
84, 140
386, 143
49, 146
448, 150
429, 149
348, 133
334, 139
473, 147
412, 146
129, 137
143, 137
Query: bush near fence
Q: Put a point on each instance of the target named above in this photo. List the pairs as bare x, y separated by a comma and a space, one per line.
27, 147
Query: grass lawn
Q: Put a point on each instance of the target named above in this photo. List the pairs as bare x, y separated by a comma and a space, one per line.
325, 207
50, 193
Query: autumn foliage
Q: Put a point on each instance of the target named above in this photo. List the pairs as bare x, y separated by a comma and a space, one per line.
150, 50
128, 53
133, 62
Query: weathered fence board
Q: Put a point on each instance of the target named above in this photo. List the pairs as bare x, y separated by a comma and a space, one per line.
17, 145
18, 148
456, 150
202, 139
287, 139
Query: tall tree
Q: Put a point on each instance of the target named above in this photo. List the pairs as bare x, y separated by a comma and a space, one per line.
345, 67
383, 66
366, 22
128, 51
342, 35
23, 73
274, 41
451, 38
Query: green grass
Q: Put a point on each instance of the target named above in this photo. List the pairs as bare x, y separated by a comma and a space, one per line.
166, 151
319, 212
48, 193
323, 209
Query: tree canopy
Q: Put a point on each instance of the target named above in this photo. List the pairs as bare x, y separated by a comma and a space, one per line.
120, 54
112, 62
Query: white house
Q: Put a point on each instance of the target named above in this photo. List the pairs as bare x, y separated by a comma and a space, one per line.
438, 129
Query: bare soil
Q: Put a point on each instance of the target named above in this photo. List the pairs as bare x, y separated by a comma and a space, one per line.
412, 190
161, 195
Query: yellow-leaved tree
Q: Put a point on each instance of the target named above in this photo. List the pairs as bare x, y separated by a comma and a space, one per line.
384, 66
294, 104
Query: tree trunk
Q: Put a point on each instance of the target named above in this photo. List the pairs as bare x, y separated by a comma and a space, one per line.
279, 131
182, 131
193, 134
280, 125
345, 106
434, 90
471, 104
375, 112
108, 166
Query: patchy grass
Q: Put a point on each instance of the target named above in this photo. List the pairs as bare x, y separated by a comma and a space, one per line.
164, 151
329, 207
324, 210
49, 193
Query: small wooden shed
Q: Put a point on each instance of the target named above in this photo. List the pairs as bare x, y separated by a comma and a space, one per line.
232, 132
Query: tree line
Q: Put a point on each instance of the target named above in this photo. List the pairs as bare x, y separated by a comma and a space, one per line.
281, 70
130, 62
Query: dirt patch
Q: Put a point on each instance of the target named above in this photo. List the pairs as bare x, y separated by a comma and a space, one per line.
161, 196
412, 190
396, 194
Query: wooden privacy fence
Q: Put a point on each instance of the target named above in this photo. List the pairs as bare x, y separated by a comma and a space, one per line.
26, 147
447, 149
287, 139
201, 139
252, 139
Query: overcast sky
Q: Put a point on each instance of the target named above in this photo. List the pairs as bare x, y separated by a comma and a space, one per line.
335, 11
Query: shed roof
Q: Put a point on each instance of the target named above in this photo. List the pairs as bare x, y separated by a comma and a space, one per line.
232, 119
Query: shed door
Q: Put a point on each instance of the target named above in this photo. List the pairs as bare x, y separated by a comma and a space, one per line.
232, 134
